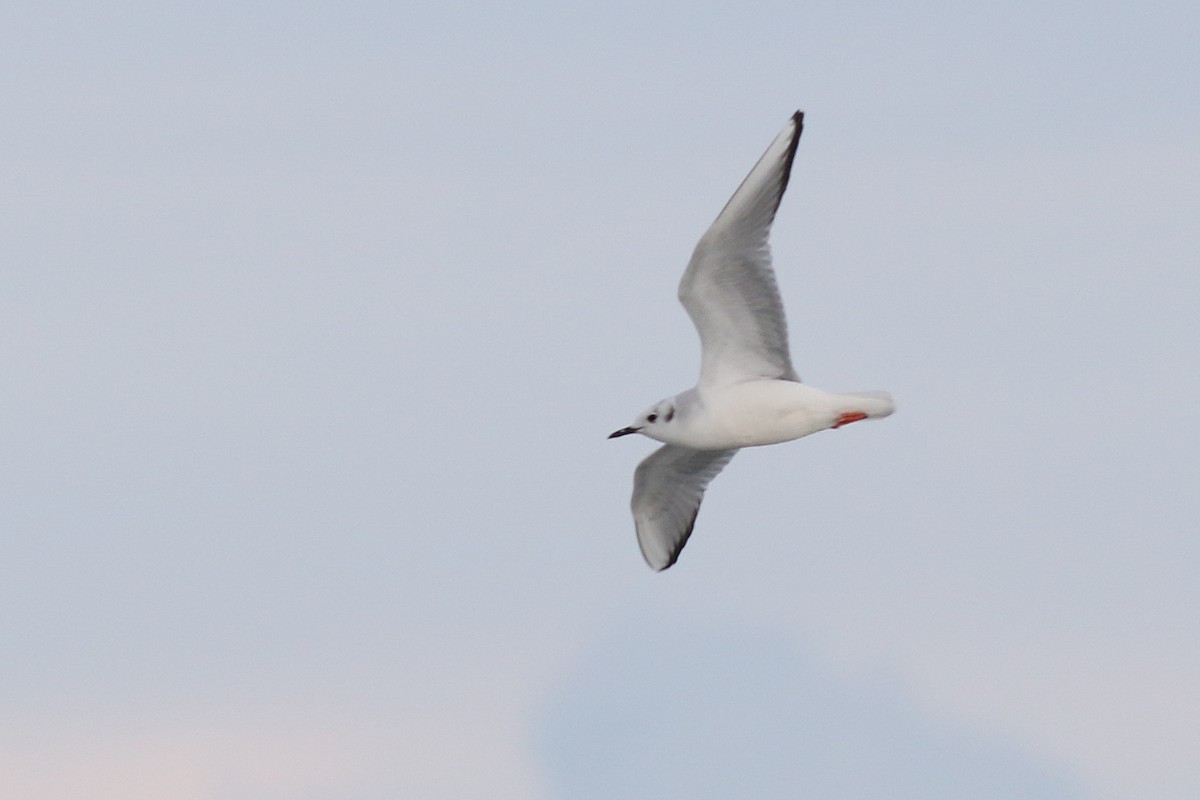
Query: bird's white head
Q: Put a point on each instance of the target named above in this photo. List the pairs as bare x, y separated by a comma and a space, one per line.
654, 422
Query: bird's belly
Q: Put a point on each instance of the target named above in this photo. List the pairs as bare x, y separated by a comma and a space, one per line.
763, 412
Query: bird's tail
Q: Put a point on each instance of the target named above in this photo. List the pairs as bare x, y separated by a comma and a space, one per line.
875, 403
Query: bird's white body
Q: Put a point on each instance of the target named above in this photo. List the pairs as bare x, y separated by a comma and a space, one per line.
759, 412
748, 393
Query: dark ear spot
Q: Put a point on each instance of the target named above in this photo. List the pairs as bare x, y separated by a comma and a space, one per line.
670, 413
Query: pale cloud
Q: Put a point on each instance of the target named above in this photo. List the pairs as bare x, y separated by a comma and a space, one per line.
474, 748
663, 708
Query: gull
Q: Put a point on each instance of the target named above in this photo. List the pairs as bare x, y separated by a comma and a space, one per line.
748, 393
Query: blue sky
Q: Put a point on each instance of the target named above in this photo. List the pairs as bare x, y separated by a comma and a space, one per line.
314, 319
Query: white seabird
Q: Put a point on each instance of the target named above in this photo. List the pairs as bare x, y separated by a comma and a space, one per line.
748, 393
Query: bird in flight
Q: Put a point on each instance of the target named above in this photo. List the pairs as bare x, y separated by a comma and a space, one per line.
748, 393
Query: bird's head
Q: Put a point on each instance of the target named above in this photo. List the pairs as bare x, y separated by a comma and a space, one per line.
652, 422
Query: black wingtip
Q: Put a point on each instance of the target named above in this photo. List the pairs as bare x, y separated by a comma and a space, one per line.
790, 158
687, 534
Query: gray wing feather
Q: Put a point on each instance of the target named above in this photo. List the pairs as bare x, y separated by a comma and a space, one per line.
729, 287
667, 489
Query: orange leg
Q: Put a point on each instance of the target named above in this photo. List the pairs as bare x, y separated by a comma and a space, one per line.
846, 417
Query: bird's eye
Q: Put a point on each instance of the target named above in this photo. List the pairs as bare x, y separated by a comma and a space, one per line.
652, 418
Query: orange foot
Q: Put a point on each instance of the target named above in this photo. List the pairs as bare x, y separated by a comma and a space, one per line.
846, 417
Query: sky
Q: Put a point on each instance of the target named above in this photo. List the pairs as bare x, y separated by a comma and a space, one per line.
314, 319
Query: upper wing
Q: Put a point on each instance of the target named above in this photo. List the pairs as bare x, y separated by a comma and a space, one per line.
729, 287
667, 489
